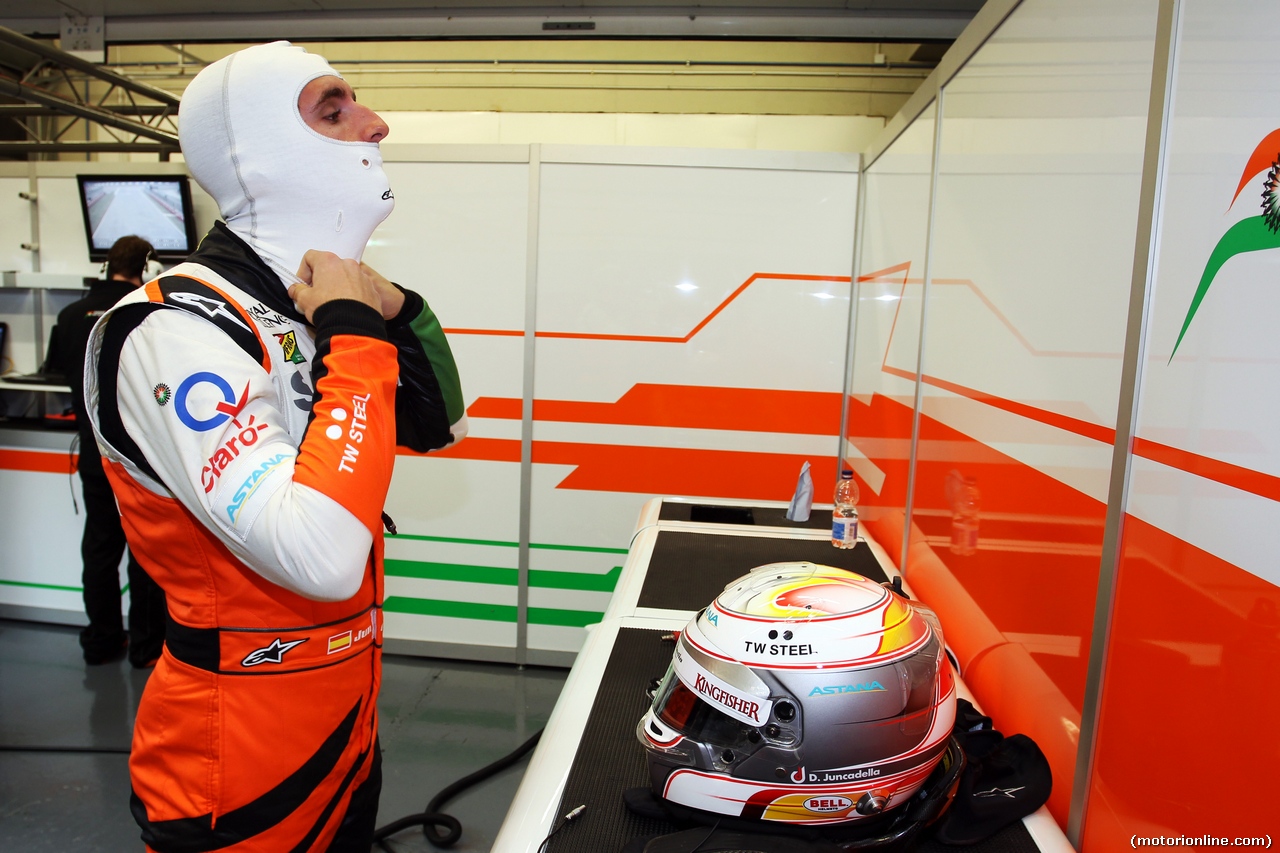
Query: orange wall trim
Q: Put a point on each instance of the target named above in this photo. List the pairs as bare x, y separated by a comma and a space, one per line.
661, 339
42, 461
658, 470
687, 406
1189, 700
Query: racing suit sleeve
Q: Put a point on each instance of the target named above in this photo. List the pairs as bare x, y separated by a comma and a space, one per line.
429, 408
301, 514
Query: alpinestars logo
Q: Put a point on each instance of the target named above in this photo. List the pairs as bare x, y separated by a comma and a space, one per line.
211, 307
1000, 792
273, 653
388, 195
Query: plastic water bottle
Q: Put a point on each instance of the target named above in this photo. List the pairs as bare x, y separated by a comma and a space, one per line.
844, 518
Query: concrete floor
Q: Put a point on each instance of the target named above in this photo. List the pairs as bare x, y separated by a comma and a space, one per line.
441, 720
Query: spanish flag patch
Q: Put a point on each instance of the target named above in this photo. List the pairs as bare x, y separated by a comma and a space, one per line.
339, 642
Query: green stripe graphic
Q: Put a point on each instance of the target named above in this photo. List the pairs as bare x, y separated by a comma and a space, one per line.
1247, 235
57, 587
490, 612
43, 586
497, 543
539, 578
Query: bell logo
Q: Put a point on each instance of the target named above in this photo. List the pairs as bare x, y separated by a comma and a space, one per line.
827, 804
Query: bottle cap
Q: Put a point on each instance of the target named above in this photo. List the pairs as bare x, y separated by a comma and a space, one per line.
846, 475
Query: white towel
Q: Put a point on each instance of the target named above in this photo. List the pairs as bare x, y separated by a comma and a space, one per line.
802, 500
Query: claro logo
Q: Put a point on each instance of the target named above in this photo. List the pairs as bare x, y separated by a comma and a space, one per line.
828, 804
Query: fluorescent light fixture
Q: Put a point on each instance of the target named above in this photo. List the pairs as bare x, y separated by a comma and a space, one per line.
686, 287
888, 297
825, 295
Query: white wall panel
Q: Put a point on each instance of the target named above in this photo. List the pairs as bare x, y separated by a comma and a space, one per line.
1215, 400
1194, 619
40, 561
619, 241
15, 224
63, 248
458, 236
660, 285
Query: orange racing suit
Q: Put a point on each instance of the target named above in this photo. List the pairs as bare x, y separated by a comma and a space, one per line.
251, 455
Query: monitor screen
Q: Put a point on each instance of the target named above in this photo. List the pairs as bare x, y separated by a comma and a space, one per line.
156, 208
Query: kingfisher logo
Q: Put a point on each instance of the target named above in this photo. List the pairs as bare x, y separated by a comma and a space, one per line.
1254, 233
224, 411
724, 698
836, 689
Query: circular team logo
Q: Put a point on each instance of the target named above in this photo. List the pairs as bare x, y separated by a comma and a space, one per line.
162, 393
224, 410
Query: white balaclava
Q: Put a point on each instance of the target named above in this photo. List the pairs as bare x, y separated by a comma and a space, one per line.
282, 187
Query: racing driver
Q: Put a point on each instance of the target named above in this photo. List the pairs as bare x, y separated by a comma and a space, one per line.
248, 405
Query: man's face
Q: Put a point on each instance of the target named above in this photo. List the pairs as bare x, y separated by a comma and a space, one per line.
328, 106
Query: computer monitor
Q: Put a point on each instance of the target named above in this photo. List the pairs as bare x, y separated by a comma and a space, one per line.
156, 208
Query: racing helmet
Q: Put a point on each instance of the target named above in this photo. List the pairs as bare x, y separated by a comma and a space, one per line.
803, 694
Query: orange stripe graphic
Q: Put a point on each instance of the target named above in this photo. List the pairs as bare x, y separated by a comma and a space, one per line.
1245, 479
658, 470
687, 406
1236, 476
44, 462
659, 339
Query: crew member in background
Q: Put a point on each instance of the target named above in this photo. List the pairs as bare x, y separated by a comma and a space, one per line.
248, 405
104, 639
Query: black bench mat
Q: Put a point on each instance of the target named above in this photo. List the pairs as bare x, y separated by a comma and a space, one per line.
610, 759
689, 569
759, 516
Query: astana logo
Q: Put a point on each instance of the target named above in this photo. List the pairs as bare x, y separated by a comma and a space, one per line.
1251, 234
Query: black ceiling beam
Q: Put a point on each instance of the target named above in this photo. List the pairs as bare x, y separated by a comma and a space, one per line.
15, 110
16, 89
67, 60
18, 147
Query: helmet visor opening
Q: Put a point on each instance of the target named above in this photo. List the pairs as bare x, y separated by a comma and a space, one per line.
686, 712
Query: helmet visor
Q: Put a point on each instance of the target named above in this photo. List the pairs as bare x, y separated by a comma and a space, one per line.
686, 712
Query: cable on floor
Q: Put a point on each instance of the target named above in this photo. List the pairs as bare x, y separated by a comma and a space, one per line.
433, 820
569, 818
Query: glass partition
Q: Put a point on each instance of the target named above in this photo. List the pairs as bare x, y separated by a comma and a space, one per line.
886, 337
1195, 640
1031, 255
